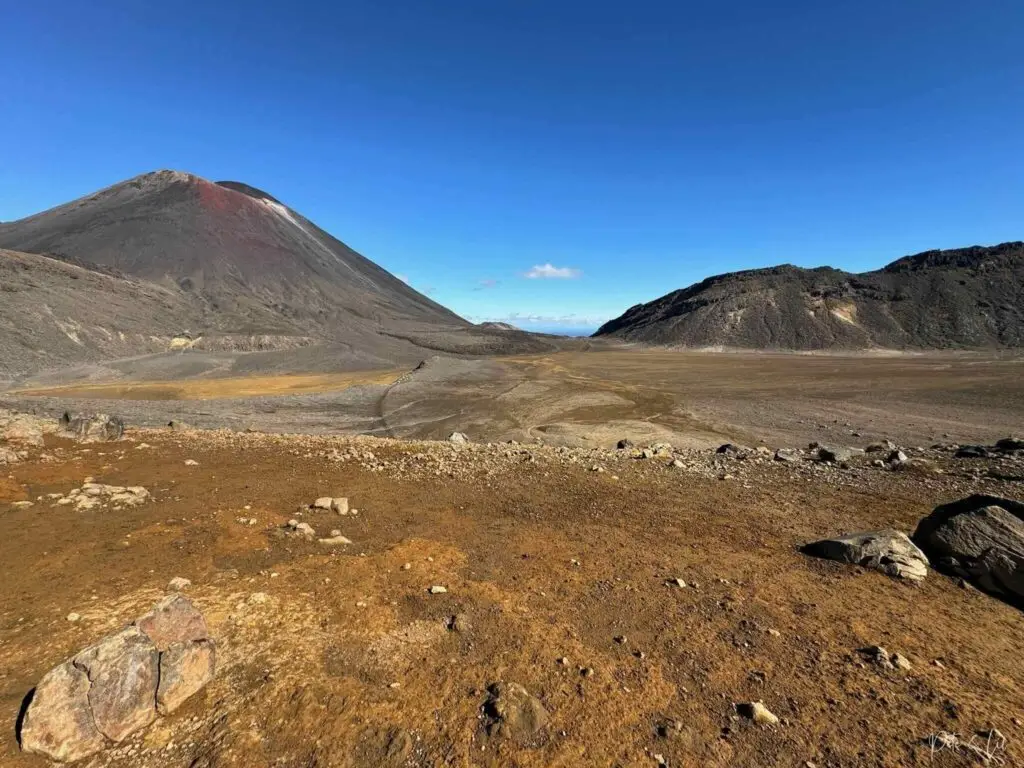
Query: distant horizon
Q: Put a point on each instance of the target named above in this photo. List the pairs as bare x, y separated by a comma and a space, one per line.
561, 161
566, 325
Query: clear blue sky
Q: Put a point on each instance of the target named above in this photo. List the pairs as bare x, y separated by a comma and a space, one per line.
634, 146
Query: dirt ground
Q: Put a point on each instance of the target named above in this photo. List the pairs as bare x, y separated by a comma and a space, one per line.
593, 398
555, 562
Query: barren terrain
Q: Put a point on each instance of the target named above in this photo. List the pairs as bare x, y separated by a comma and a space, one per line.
559, 560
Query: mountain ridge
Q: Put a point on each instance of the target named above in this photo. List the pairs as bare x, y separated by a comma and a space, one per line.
960, 298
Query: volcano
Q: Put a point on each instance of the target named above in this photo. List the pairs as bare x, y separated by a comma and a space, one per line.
220, 264
253, 265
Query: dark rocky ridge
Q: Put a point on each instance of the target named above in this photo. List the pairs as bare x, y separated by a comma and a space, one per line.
967, 298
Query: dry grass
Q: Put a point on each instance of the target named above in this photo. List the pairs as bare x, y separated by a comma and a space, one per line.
208, 389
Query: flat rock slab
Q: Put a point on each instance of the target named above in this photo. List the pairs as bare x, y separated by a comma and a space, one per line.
121, 684
891, 552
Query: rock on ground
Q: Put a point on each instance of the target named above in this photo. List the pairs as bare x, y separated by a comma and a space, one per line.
980, 538
758, 712
120, 685
513, 712
89, 429
891, 552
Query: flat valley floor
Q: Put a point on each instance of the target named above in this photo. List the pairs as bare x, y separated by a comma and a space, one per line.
560, 563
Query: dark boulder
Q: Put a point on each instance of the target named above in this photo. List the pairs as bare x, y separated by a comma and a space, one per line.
980, 538
971, 452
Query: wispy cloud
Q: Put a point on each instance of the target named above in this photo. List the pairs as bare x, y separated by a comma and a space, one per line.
550, 271
524, 320
483, 285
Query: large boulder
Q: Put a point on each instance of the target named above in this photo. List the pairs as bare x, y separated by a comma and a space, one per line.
121, 684
891, 552
980, 538
90, 429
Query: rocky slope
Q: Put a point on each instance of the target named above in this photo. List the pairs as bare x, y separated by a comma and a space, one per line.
963, 298
171, 260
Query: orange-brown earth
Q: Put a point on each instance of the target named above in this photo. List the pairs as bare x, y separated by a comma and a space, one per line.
340, 656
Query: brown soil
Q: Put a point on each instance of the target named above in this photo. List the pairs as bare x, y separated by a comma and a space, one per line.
343, 658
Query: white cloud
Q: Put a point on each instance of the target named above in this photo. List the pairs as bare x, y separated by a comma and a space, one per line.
549, 271
522, 319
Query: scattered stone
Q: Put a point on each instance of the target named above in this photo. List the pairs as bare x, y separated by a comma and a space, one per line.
1010, 444
789, 455
513, 713
882, 447
121, 684
8, 455
22, 504
458, 437
437, 589
676, 464
757, 712
90, 429
971, 452
178, 584
731, 449
340, 505
460, 623
335, 540
835, 454
876, 654
624, 444
191, 463
21, 429
676, 583
73, 617
896, 457
901, 662
891, 552
324, 502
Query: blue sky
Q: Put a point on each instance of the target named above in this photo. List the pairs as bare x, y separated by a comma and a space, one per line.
615, 151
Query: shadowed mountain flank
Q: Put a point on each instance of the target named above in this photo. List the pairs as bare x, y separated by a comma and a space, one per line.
954, 299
